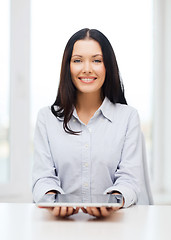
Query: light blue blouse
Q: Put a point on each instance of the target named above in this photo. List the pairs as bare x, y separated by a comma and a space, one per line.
105, 156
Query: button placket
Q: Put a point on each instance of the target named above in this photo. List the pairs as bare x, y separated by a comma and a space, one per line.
86, 163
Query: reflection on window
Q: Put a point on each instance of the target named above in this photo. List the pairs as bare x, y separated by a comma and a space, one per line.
4, 91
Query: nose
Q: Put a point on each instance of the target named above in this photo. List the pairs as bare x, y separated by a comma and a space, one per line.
87, 68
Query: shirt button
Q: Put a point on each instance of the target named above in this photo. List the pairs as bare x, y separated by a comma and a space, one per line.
74, 120
85, 184
86, 164
86, 145
89, 129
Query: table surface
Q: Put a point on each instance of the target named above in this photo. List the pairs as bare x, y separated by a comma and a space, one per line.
25, 221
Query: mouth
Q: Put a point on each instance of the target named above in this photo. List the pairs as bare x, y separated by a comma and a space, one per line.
87, 79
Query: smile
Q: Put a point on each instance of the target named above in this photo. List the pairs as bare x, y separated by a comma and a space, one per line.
87, 80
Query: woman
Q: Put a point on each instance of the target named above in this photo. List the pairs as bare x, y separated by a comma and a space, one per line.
89, 141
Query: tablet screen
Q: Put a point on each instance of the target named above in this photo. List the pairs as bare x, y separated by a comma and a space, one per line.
97, 200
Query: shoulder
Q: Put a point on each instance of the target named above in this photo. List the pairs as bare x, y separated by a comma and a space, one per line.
123, 117
126, 116
124, 109
44, 111
44, 114
119, 111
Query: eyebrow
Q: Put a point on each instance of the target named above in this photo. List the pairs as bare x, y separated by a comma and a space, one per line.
76, 55
96, 55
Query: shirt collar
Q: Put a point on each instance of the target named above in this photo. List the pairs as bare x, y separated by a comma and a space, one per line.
75, 113
106, 109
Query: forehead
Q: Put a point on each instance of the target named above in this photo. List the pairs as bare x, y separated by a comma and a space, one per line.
86, 47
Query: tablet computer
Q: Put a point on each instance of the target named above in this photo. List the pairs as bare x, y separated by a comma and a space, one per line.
71, 200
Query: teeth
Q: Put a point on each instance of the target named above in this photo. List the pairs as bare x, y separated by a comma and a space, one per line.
87, 79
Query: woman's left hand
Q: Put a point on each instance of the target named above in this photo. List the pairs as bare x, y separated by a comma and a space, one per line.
100, 212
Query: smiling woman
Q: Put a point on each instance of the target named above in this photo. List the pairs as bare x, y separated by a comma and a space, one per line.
89, 142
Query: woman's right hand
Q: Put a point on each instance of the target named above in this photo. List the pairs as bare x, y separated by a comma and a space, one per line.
62, 211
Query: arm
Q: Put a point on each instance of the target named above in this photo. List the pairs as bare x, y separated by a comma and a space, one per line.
128, 176
44, 172
45, 178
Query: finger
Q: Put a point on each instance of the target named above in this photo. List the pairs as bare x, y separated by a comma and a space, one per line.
63, 211
84, 210
105, 212
89, 211
76, 210
96, 212
48, 208
56, 211
70, 211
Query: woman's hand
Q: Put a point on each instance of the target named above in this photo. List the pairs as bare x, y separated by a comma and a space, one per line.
62, 211
99, 212
102, 211
93, 211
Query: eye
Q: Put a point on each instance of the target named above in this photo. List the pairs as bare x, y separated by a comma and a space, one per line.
77, 61
97, 61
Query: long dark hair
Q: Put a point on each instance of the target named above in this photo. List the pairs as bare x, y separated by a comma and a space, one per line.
112, 88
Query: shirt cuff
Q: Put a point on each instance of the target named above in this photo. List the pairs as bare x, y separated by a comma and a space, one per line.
40, 191
129, 195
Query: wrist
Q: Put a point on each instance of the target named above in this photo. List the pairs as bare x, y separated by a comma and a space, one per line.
51, 192
114, 192
117, 193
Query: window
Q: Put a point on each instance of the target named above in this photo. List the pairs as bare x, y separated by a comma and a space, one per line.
14, 144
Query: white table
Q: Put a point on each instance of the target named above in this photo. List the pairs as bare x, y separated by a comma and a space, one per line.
20, 221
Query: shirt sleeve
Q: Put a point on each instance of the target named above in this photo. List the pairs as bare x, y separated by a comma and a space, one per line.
128, 176
44, 173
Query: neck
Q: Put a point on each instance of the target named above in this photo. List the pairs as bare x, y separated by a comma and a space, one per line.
88, 102
87, 105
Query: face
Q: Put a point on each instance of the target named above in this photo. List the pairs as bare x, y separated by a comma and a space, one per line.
87, 67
